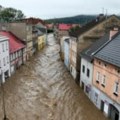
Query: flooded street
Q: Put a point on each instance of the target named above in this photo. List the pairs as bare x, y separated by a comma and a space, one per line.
43, 89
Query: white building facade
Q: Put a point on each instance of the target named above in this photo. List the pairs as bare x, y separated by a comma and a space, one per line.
4, 59
86, 77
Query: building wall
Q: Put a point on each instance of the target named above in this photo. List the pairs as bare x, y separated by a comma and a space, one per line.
66, 54
62, 33
4, 58
84, 78
99, 98
24, 32
73, 57
41, 42
16, 60
112, 76
62, 46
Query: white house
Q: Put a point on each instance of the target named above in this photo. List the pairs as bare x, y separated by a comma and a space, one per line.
4, 58
86, 70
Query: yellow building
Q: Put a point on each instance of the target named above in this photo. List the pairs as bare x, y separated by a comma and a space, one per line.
41, 41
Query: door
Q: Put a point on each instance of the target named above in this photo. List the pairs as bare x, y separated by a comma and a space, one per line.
116, 116
102, 105
82, 85
114, 113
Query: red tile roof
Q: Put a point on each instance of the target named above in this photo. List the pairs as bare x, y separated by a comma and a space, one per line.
64, 26
15, 43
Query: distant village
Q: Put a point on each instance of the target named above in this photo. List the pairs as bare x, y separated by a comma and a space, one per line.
90, 52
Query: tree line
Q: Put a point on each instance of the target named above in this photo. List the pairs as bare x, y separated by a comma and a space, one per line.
10, 14
80, 19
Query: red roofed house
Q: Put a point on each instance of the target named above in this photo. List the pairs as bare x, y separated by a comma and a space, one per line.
64, 27
17, 51
63, 30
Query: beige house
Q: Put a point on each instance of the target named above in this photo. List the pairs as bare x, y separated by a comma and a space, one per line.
106, 78
41, 41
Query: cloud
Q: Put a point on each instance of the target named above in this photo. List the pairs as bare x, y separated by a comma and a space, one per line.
54, 8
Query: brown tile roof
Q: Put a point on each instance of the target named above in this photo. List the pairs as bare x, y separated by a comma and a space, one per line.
87, 26
33, 21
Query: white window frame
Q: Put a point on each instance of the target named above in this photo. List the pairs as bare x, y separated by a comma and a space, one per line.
4, 61
3, 47
116, 88
103, 80
7, 59
98, 77
6, 45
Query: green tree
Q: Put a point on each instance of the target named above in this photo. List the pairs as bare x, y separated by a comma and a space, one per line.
10, 14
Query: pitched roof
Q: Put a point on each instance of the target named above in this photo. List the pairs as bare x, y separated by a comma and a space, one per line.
15, 43
111, 51
89, 52
32, 20
64, 26
87, 26
67, 40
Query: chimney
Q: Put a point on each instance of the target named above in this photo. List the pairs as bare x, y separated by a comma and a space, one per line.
113, 32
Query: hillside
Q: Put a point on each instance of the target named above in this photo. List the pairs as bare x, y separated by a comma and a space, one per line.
80, 19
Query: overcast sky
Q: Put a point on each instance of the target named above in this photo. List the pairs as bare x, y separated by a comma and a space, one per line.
61, 8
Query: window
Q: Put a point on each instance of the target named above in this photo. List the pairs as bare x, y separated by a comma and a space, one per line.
103, 80
13, 56
98, 77
83, 69
16, 54
105, 65
7, 59
0, 63
4, 61
88, 72
6, 45
3, 47
116, 88
118, 71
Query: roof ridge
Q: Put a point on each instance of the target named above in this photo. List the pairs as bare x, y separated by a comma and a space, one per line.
106, 43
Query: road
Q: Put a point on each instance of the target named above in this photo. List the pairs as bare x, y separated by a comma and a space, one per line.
43, 89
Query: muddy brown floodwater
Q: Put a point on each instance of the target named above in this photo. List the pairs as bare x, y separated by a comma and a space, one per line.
44, 90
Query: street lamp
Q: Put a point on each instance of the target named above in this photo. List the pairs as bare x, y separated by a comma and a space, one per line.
3, 100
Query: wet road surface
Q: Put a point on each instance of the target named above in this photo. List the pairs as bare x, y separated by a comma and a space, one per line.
44, 90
